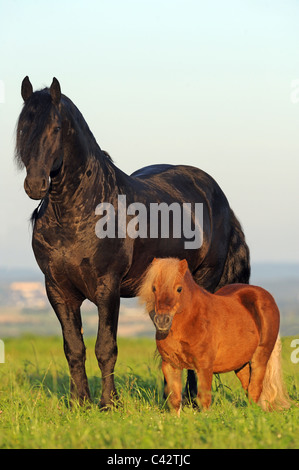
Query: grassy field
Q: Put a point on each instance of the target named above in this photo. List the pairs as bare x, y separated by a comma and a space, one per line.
35, 412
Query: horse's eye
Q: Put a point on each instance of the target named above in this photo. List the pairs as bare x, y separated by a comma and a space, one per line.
154, 289
179, 289
57, 129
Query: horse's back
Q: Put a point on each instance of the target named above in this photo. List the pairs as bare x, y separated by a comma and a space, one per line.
150, 170
184, 184
258, 302
180, 174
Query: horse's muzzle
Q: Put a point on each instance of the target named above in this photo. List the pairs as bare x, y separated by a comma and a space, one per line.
162, 322
36, 188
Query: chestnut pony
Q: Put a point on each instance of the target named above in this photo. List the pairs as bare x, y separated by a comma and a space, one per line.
235, 329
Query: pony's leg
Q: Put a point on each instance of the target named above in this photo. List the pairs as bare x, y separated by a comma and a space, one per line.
67, 308
106, 345
173, 379
204, 395
243, 375
190, 392
258, 369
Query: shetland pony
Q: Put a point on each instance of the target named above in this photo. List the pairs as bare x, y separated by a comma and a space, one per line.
235, 329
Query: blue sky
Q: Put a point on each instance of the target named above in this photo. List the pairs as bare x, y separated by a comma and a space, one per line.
210, 84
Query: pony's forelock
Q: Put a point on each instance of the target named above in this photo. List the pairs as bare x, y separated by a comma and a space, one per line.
165, 268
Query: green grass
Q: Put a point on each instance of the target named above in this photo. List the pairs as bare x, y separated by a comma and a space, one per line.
34, 400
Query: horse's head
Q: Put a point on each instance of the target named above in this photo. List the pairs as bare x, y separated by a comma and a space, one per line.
165, 291
39, 137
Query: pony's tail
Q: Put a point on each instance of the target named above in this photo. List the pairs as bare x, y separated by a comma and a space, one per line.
274, 395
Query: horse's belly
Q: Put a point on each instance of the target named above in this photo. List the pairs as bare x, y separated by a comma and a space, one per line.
232, 356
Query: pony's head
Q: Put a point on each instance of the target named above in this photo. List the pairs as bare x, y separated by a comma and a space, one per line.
164, 290
39, 137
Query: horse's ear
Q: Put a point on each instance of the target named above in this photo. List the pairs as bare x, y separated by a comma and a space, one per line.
154, 260
26, 89
183, 266
55, 91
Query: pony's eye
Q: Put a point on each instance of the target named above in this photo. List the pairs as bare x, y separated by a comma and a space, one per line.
154, 289
57, 129
179, 289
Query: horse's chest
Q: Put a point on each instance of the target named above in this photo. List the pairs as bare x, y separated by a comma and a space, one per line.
177, 353
64, 254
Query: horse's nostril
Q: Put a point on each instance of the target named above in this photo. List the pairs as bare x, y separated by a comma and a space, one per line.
36, 188
44, 184
162, 321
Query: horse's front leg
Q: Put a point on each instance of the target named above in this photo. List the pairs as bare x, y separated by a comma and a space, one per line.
173, 389
190, 393
204, 394
106, 343
66, 305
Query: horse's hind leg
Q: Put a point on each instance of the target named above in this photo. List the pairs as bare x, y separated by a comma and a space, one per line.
190, 392
258, 369
243, 375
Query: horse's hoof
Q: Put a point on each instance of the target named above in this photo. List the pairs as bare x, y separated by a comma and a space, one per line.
113, 404
190, 401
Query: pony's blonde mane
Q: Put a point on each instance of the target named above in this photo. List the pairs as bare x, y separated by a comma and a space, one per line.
164, 270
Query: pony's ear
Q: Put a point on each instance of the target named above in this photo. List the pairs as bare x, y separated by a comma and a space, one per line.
183, 266
55, 91
154, 260
26, 89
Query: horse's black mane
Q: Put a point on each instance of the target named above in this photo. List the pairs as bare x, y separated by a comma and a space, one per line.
37, 108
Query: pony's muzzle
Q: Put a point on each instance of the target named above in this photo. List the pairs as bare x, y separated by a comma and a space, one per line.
162, 322
36, 188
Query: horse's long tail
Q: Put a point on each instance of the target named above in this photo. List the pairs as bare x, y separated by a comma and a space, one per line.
274, 395
237, 264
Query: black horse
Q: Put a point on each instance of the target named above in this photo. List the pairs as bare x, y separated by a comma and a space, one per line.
71, 175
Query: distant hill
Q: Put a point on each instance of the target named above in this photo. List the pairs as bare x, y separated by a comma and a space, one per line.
278, 271
24, 306
259, 272
8, 275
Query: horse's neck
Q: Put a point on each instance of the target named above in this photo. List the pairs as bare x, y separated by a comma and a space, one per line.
88, 176
78, 181
199, 303
83, 183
